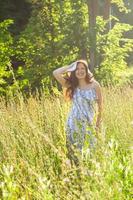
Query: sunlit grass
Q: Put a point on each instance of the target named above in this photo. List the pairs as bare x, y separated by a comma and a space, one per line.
33, 161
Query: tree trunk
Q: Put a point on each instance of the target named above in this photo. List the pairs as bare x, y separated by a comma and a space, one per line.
106, 12
92, 9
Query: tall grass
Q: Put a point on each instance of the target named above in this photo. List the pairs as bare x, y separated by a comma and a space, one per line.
33, 154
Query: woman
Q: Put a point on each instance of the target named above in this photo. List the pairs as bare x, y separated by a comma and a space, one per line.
83, 90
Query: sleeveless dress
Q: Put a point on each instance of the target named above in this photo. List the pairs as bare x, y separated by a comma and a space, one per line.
79, 122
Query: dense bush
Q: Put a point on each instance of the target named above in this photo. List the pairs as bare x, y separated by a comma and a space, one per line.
114, 49
6, 51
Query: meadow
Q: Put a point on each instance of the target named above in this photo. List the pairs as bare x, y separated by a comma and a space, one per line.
33, 154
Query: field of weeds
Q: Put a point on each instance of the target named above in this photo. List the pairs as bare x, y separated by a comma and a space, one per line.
33, 154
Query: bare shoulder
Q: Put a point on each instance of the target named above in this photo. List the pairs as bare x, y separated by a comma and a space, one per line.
96, 84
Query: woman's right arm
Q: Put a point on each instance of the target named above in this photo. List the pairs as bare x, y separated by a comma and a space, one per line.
57, 73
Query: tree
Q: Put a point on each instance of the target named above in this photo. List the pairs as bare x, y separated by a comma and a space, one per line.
92, 10
107, 5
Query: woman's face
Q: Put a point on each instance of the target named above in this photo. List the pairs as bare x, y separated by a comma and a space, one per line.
80, 71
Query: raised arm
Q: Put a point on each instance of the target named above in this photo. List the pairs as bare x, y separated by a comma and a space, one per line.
57, 73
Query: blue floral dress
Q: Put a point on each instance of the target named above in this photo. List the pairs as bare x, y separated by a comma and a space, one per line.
81, 117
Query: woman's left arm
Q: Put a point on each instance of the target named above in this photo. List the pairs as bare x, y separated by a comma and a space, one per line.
100, 105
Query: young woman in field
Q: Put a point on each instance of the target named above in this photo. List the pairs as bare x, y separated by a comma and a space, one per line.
83, 91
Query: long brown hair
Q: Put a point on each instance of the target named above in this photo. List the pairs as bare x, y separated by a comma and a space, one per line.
72, 81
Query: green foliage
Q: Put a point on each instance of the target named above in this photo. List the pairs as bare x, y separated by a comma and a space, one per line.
121, 5
10, 80
126, 77
52, 38
114, 49
56, 34
6, 52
